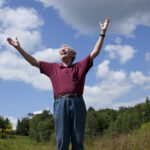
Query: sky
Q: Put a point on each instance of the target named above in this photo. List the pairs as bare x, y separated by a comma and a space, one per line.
120, 75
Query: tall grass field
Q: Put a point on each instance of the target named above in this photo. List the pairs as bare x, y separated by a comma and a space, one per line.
137, 140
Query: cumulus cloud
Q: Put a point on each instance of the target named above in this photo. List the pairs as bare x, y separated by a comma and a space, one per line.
114, 84
139, 78
48, 55
16, 68
84, 15
124, 52
23, 23
147, 57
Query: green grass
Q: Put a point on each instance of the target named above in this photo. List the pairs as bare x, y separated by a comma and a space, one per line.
24, 143
137, 140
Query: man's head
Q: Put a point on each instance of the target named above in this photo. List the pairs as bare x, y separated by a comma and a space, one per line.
67, 52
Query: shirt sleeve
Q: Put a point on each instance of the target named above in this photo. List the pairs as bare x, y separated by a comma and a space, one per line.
46, 68
86, 64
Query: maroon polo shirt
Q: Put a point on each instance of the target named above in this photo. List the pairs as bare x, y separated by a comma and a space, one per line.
69, 79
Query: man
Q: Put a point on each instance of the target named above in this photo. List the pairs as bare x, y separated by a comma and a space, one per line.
68, 84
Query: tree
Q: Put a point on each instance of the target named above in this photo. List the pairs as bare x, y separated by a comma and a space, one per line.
146, 111
91, 127
105, 117
45, 129
41, 126
2, 122
5, 127
126, 121
8, 130
23, 127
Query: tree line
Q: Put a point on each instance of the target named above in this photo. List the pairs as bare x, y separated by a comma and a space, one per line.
102, 122
115, 122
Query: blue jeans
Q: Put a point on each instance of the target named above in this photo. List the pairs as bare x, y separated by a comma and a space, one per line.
70, 118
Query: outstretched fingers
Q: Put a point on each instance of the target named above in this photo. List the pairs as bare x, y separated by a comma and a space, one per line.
105, 25
9, 40
12, 42
107, 21
17, 39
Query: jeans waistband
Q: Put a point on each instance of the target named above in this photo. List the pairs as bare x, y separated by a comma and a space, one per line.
67, 95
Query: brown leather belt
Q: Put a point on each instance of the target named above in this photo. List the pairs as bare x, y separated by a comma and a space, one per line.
67, 95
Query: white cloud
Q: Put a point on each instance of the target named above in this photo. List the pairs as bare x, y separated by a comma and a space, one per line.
139, 78
118, 40
48, 55
40, 111
13, 121
128, 103
114, 84
125, 52
37, 112
23, 23
25, 18
147, 57
84, 15
105, 73
2, 3
15, 68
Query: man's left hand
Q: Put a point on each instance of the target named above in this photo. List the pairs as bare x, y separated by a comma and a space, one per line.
104, 26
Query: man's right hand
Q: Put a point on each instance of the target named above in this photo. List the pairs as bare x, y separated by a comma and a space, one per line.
28, 57
16, 43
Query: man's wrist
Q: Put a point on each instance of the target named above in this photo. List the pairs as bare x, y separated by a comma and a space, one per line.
103, 31
102, 34
18, 47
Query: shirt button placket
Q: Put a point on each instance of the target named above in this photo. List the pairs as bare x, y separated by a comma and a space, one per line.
66, 71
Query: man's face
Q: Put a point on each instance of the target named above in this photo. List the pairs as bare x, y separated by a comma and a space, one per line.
66, 53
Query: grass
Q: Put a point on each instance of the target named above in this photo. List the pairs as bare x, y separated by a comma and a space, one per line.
138, 140
24, 143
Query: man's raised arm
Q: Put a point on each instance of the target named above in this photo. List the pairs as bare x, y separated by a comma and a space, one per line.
99, 43
28, 57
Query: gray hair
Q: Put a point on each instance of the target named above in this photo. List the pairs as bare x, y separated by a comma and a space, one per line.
65, 45
72, 50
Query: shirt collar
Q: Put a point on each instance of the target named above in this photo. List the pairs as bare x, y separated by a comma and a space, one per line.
61, 66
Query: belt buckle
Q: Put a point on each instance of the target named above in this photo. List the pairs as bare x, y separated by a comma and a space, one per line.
65, 95
68, 95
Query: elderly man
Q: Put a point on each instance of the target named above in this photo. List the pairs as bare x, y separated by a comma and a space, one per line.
68, 84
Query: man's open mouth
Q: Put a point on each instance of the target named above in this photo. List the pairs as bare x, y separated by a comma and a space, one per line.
63, 53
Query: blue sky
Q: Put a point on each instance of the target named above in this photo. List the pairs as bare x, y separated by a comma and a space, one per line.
120, 75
